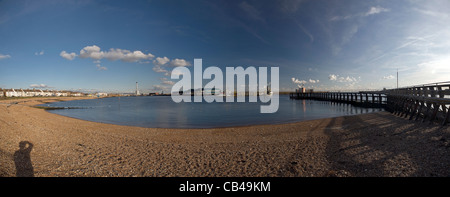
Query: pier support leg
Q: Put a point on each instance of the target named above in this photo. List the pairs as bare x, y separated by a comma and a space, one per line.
420, 110
446, 119
433, 116
407, 108
414, 110
425, 115
403, 107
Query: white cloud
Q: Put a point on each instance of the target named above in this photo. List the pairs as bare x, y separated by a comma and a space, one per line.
346, 79
376, 10
333, 77
161, 61
338, 18
179, 63
135, 56
100, 67
372, 10
166, 81
159, 69
301, 83
164, 86
439, 68
296, 81
389, 77
94, 52
313, 81
39, 86
39, 53
433, 13
91, 52
4, 56
68, 56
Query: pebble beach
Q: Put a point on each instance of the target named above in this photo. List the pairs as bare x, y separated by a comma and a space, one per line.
34, 142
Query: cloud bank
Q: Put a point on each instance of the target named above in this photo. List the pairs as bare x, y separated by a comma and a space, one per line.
334, 77
39, 86
94, 52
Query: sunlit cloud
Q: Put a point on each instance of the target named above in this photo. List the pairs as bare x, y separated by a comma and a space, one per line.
99, 67
67, 56
39, 86
376, 10
95, 53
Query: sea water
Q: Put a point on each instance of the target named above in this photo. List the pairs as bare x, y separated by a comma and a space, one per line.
162, 112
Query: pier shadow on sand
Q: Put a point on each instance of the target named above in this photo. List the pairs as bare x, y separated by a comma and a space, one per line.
22, 160
386, 145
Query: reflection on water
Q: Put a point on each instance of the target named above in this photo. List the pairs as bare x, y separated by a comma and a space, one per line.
162, 112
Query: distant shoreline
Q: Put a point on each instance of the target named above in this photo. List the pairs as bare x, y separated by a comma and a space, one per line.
376, 144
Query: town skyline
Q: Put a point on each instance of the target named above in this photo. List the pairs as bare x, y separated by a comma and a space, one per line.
107, 46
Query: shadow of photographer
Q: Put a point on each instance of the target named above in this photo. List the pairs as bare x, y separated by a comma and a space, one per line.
22, 160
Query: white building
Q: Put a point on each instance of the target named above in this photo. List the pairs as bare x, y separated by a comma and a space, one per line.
76, 94
101, 94
11, 93
35, 93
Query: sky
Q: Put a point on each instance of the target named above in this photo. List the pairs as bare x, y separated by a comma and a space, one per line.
333, 45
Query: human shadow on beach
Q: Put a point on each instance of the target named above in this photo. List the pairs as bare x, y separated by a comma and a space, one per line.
22, 160
386, 145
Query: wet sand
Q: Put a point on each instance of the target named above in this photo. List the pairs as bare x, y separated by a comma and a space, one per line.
37, 143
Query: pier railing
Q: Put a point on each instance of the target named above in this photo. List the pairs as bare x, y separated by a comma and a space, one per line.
364, 99
428, 102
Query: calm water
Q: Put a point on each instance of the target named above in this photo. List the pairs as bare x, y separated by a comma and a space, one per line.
162, 112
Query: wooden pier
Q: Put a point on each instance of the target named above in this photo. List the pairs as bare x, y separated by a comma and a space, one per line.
363, 99
427, 102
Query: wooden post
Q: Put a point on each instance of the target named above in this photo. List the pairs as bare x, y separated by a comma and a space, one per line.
441, 95
360, 98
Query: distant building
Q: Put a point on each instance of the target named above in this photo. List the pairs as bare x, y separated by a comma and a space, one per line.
76, 94
101, 94
137, 90
300, 90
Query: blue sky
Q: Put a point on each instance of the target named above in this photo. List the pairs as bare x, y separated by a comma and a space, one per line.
327, 45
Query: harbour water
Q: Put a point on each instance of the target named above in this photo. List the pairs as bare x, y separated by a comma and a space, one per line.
162, 112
